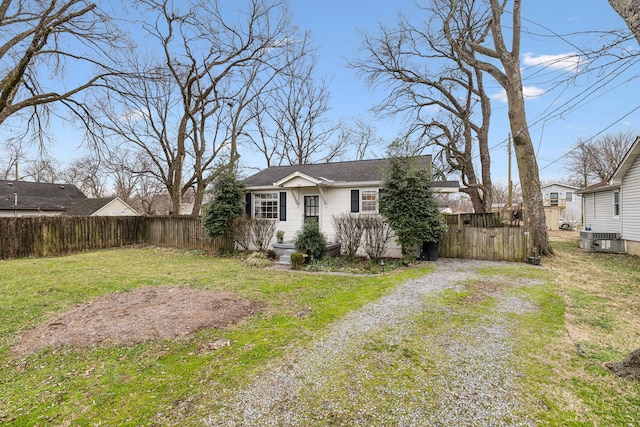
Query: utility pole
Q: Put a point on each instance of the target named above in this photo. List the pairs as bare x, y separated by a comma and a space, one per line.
16, 170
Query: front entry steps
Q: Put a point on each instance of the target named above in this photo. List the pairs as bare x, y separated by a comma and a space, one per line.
285, 258
284, 251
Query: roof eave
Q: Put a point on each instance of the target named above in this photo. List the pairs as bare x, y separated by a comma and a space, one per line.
627, 161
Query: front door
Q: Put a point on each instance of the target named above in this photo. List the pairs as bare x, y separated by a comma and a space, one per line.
554, 199
312, 207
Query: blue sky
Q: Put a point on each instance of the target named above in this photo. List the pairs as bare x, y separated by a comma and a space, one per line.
558, 116
555, 123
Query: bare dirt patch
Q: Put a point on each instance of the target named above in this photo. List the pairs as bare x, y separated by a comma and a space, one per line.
144, 314
628, 368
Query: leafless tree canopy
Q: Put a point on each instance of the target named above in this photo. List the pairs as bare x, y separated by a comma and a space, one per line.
593, 161
492, 53
42, 170
88, 174
440, 94
204, 69
291, 126
43, 46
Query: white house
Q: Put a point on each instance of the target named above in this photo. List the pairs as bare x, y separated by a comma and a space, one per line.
564, 200
613, 206
290, 194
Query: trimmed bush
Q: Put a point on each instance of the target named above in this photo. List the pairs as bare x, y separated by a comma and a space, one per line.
297, 260
271, 254
310, 240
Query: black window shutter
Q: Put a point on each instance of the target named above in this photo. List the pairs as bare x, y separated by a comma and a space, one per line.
355, 200
283, 206
247, 207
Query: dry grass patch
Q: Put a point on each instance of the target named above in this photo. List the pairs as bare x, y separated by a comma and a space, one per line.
600, 325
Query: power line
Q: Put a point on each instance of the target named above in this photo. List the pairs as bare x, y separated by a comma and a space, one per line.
580, 145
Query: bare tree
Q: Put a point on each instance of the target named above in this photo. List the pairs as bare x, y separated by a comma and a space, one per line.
295, 130
446, 105
357, 140
186, 117
490, 54
13, 155
42, 43
88, 174
595, 160
42, 170
122, 169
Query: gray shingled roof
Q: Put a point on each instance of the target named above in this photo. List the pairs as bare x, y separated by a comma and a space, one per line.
38, 195
353, 171
87, 207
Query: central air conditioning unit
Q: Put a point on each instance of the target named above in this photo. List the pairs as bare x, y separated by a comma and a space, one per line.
594, 241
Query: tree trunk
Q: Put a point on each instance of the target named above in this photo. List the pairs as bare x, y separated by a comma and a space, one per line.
527, 166
629, 10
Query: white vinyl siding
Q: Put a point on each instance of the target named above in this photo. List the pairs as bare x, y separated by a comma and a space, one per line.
630, 203
598, 212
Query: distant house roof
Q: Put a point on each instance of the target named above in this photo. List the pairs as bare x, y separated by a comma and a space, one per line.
23, 195
600, 186
87, 207
358, 171
558, 184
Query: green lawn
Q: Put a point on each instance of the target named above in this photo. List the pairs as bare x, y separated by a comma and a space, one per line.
585, 301
165, 382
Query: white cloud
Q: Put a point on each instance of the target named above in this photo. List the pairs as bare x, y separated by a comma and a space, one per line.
133, 115
532, 91
565, 61
527, 91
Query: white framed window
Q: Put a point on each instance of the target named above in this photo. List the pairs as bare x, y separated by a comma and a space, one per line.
616, 204
569, 196
265, 205
369, 201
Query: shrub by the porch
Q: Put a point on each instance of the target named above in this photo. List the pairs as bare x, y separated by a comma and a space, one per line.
310, 240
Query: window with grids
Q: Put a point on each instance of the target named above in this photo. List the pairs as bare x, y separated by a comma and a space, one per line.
265, 205
616, 203
369, 201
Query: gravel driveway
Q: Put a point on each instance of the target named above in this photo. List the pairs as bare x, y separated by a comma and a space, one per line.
322, 384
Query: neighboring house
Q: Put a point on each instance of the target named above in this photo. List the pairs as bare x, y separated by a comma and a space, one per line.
105, 206
21, 198
561, 201
290, 194
613, 206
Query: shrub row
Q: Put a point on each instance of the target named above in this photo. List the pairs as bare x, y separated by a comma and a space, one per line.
370, 232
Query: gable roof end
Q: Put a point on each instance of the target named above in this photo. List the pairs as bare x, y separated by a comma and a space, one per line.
628, 160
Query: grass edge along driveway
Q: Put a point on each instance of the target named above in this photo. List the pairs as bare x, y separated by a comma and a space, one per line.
175, 382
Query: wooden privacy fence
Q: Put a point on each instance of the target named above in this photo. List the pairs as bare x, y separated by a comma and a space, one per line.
496, 244
61, 235
181, 232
